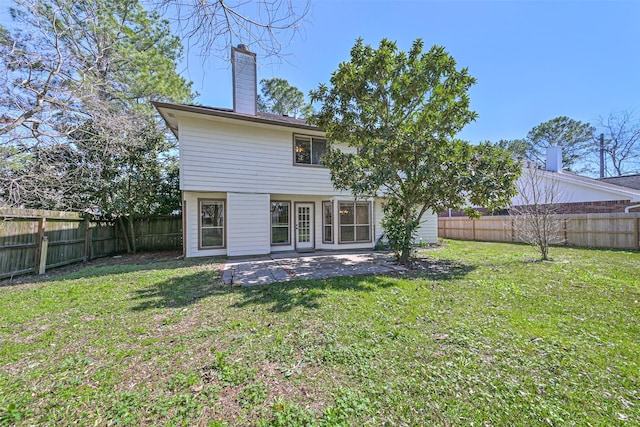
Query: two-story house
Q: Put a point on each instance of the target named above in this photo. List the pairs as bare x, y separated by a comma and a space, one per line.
252, 183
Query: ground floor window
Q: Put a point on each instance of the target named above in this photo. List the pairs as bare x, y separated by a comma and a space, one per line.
355, 222
211, 224
327, 222
280, 217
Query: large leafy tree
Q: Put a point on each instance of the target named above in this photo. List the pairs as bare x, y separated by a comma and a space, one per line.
279, 97
518, 148
401, 112
573, 136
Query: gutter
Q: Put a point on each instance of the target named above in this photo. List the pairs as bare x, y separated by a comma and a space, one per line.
626, 210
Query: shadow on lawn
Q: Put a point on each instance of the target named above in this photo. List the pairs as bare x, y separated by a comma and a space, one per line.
283, 296
111, 265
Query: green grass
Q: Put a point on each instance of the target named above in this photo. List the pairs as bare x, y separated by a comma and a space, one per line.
484, 336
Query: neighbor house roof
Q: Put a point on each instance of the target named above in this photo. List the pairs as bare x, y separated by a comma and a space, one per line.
629, 181
166, 110
625, 193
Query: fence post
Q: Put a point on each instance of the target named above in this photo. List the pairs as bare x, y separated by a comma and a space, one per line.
513, 230
637, 233
42, 267
42, 223
473, 229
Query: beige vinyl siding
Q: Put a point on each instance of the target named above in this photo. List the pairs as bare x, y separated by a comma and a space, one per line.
428, 231
248, 223
248, 226
377, 220
244, 157
248, 165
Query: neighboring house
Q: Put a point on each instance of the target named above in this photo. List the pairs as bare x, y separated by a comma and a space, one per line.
630, 181
252, 182
574, 194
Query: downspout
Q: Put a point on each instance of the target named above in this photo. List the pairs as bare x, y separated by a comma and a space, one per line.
626, 210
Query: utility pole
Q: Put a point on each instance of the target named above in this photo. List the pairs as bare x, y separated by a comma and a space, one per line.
602, 155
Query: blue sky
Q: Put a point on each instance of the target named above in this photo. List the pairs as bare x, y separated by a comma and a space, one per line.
533, 61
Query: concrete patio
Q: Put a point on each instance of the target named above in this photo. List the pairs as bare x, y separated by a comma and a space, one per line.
282, 267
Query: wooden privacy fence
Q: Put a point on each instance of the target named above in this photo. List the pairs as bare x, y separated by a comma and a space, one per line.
36, 240
609, 230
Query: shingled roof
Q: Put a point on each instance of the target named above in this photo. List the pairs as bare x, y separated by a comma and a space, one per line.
629, 181
260, 117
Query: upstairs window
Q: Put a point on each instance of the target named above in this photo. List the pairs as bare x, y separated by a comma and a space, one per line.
308, 150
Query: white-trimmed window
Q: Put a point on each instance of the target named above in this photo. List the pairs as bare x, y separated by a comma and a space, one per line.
308, 150
354, 222
280, 220
327, 222
211, 224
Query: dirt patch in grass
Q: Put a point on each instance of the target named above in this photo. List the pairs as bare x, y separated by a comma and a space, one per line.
114, 260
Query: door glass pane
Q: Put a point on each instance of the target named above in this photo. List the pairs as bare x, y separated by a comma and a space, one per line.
304, 224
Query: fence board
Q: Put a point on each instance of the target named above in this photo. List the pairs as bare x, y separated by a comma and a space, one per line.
18, 243
73, 238
608, 230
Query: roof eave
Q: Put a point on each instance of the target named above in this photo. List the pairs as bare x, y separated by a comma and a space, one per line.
224, 114
634, 195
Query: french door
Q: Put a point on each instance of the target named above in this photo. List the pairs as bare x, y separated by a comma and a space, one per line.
304, 226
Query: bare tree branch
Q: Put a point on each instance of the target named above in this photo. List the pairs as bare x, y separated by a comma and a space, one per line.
213, 26
535, 216
77, 130
622, 140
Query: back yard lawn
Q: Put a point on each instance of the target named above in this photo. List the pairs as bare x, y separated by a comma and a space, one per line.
484, 336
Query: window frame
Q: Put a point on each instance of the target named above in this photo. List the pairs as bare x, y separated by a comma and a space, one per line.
311, 139
224, 224
271, 223
355, 221
324, 224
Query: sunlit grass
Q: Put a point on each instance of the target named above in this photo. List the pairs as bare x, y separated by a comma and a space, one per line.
486, 335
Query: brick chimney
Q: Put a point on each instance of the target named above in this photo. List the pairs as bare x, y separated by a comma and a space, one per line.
554, 159
245, 95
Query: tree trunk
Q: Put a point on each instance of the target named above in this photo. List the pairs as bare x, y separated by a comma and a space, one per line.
405, 253
133, 234
124, 234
